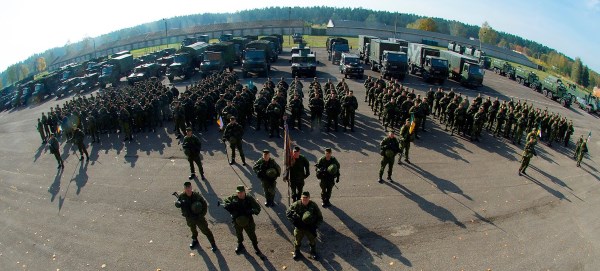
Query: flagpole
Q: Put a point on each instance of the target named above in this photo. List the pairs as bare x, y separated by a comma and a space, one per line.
286, 156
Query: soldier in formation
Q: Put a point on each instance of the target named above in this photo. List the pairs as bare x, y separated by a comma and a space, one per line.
267, 171
306, 218
328, 173
243, 208
194, 207
191, 147
298, 172
234, 133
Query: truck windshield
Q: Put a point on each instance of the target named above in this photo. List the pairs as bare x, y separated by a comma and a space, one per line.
303, 60
352, 60
106, 70
341, 47
397, 58
38, 87
255, 56
435, 62
475, 69
181, 59
66, 75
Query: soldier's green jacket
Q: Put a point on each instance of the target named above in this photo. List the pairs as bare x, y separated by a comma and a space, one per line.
241, 207
323, 164
234, 130
295, 212
405, 134
186, 204
529, 150
53, 145
261, 167
300, 170
191, 145
389, 143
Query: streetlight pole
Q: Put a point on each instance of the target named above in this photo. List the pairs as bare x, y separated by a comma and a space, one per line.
290, 25
166, 34
94, 41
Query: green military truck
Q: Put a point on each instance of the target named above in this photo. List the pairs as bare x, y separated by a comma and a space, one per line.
426, 61
218, 57
484, 61
203, 38
304, 64
350, 66
363, 47
503, 68
527, 78
46, 86
117, 67
297, 37
185, 62
143, 72
553, 88
188, 41
255, 61
335, 47
275, 43
240, 45
463, 69
263, 45
225, 37
300, 49
377, 60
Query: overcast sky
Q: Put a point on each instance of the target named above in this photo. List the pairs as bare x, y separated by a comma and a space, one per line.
28, 27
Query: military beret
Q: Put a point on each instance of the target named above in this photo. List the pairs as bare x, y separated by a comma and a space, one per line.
296, 149
188, 128
266, 151
187, 184
240, 188
328, 149
305, 194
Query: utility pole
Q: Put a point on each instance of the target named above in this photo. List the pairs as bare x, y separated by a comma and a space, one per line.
94, 41
166, 33
396, 26
290, 25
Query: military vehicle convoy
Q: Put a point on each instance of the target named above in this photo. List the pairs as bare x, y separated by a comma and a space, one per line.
217, 57
304, 64
387, 58
553, 88
527, 78
335, 48
426, 61
503, 68
363, 47
116, 68
185, 62
255, 61
463, 69
350, 66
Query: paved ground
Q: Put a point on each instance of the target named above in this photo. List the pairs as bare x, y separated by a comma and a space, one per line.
459, 206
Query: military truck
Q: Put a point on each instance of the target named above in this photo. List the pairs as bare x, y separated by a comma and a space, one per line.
225, 37
275, 43
589, 103
255, 61
403, 43
217, 57
335, 48
350, 66
502, 67
72, 70
484, 61
45, 86
554, 89
163, 63
188, 41
297, 37
203, 38
426, 61
527, 78
363, 47
239, 46
463, 69
301, 48
304, 64
115, 69
185, 62
376, 48
263, 45
143, 72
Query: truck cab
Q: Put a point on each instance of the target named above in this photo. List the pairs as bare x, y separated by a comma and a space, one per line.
394, 64
435, 68
553, 88
143, 72
182, 67
304, 64
212, 61
472, 74
255, 61
350, 66
297, 37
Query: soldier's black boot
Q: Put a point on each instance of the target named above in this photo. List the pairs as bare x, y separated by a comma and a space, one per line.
232, 162
202, 176
313, 252
380, 179
194, 243
296, 254
240, 248
389, 178
244, 162
192, 176
213, 246
257, 250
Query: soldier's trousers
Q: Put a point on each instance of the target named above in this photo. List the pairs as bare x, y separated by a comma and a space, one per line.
237, 146
269, 188
349, 119
195, 159
58, 158
580, 156
524, 163
296, 186
42, 135
94, 133
297, 118
273, 127
567, 137
180, 126
82, 149
404, 147
260, 120
250, 231
518, 135
200, 223
299, 235
333, 119
389, 162
326, 188
315, 120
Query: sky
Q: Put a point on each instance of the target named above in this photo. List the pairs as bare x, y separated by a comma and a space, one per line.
28, 27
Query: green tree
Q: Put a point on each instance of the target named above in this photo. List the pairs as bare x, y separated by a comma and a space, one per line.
372, 18
457, 29
487, 34
23, 71
426, 24
585, 77
503, 43
577, 71
12, 74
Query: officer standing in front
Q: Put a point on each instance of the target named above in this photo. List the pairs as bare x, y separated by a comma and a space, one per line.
194, 207
54, 147
267, 171
405, 138
191, 147
306, 217
299, 171
328, 173
233, 133
78, 137
242, 207
389, 148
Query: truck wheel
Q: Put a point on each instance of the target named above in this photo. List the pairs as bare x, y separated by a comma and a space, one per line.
563, 102
545, 92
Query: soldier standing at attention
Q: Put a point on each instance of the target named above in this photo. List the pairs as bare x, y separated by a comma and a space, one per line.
389, 148
299, 171
316, 106
78, 137
194, 207
578, 146
349, 105
306, 217
328, 173
233, 133
267, 171
40, 128
582, 151
273, 112
54, 147
242, 207
191, 147
528, 152
405, 138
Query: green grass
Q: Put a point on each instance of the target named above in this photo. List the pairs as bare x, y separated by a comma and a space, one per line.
140, 52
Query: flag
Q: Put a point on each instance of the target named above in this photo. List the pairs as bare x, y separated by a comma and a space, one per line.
412, 123
220, 122
539, 130
589, 136
288, 155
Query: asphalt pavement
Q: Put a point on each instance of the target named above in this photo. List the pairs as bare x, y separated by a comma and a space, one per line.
460, 205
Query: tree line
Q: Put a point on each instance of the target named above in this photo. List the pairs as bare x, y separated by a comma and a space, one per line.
320, 15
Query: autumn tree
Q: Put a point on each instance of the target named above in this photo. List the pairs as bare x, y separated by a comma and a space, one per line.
40, 64
426, 24
487, 34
